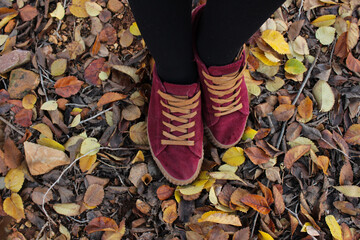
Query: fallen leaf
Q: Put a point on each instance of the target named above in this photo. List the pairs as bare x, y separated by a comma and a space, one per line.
325, 35
13, 206
279, 201
264, 236
323, 163
126, 39
346, 207
346, 232
293, 223
324, 96
256, 202
100, 224
242, 234
303, 141
67, 209
14, 180
89, 146
346, 174
352, 35
305, 110
29, 101
118, 234
295, 154
28, 13
131, 113
38, 194
256, 155
23, 117
334, 227
77, 8
134, 29
276, 41
164, 192
220, 217
51, 143
300, 46
109, 98
138, 133
249, 133
225, 176
12, 155
59, 11
352, 135
234, 156
85, 163
349, 191
267, 193
274, 85
170, 213
76, 121
92, 8
294, 67
58, 67
91, 74
324, 21
94, 195
284, 112
43, 129
49, 105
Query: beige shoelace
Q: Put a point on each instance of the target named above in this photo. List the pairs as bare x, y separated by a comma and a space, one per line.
183, 105
222, 86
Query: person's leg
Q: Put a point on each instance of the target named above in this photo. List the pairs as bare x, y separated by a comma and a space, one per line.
225, 26
166, 27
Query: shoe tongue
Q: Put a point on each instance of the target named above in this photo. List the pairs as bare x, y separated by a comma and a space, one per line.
181, 90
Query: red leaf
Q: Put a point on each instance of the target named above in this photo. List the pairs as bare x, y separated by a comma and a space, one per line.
267, 193
28, 13
256, 202
23, 117
352, 63
12, 154
110, 97
67, 86
101, 224
91, 74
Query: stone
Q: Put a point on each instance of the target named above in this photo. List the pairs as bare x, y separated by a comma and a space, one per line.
41, 159
21, 82
13, 59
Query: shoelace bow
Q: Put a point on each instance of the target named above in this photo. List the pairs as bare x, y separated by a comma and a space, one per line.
177, 104
222, 86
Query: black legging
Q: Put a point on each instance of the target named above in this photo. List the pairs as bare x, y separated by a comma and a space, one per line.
223, 28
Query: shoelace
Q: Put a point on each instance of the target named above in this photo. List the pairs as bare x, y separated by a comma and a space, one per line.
183, 105
222, 86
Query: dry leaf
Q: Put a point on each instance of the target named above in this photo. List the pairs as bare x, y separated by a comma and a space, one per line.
295, 154
131, 112
293, 223
38, 194
305, 110
92, 8
170, 213
23, 117
346, 207
350, 191
100, 224
256, 155
346, 174
234, 156
89, 146
134, 29
13, 206
12, 155
94, 195
284, 112
50, 143
352, 135
264, 236
14, 179
352, 35
109, 98
118, 234
294, 67
49, 105
279, 201
220, 217
138, 133
67, 209
164, 192
29, 101
276, 41
324, 21
324, 96
85, 163
91, 74
43, 129
58, 67
77, 8
256, 202
325, 35
59, 11
334, 227
267, 193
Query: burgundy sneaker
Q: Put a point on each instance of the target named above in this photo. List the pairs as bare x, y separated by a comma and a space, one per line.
224, 97
175, 129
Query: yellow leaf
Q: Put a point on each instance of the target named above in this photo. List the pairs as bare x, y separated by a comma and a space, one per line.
234, 156
261, 56
300, 46
249, 133
307, 224
220, 217
77, 8
29, 101
89, 144
264, 236
334, 227
177, 194
324, 96
274, 85
67, 209
85, 163
212, 196
43, 129
49, 105
276, 41
92, 8
170, 213
76, 121
14, 179
295, 67
191, 190
13, 206
139, 157
134, 29
59, 11
325, 35
350, 191
253, 89
6, 19
138, 133
324, 21
3, 39
226, 176
58, 67
227, 168
50, 143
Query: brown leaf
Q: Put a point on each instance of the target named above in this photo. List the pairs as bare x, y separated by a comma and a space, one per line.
346, 174
242, 234
270, 150
28, 13
94, 195
346, 207
293, 131
341, 49
262, 133
352, 135
225, 194
164, 192
293, 222
279, 201
284, 112
3, 167
305, 110
342, 144
237, 195
256, 202
327, 140
256, 155
67, 86
216, 233
295, 154
101, 224
143, 206
352, 63
309, 217
346, 232
169, 211
4, 95
92, 72
38, 194
267, 193
108, 35
12, 154
110, 97
96, 47
23, 117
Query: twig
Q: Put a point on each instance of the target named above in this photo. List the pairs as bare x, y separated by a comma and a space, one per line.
253, 228
59, 178
297, 217
298, 95
41, 231
42, 83
95, 116
300, 9
11, 126
3, 81
76, 105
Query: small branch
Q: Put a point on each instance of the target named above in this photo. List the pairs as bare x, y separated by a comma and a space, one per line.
298, 95
42, 230
297, 217
11, 126
253, 228
42, 83
95, 116
300, 9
